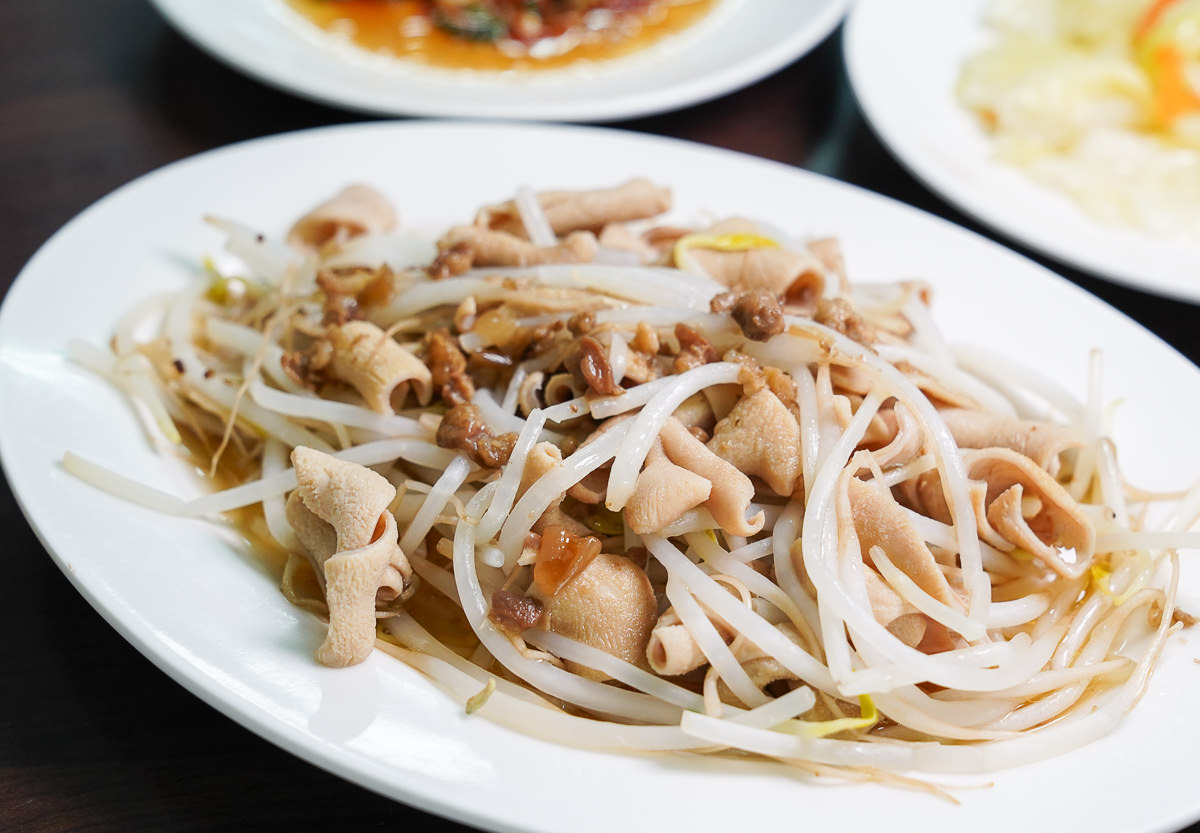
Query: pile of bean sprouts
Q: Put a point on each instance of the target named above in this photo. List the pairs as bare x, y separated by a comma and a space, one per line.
1041, 664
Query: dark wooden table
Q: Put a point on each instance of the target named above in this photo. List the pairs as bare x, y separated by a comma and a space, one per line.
92, 736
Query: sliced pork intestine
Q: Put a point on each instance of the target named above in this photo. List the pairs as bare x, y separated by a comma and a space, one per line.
609, 605
499, 248
592, 489
762, 668
623, 238
797, 277
663, 491
897, 436
568, 211
339, 512
868, 516
870, 524
903, 620
376, 365
853, 380
353, 211
673, 651
761, 437
936, 389
732, 492
828, 252
1042, 442
543, 459
696, 412
1056, 532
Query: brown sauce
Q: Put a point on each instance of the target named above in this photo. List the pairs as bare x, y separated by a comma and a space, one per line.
233, 468
401, 28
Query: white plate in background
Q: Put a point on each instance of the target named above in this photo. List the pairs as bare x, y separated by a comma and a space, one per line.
212, 617
738, 43
906, 88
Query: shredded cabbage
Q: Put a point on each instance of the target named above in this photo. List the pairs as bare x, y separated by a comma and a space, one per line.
1099, 99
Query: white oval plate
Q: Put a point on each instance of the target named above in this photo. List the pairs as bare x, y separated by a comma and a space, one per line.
906, 88
739, 42
207, 613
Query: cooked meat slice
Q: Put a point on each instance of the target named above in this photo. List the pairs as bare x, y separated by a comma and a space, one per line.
761, 437
609, 605
357, 209
732, 491
662, 493
568, 211
367, 358
340, 514
499, 248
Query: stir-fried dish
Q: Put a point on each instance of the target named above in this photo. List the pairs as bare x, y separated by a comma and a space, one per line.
526, 21
503, 34
1101, 99
633, 483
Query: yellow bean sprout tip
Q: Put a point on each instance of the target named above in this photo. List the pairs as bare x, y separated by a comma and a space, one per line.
1100, 579
734, 242
476, 702
822, 728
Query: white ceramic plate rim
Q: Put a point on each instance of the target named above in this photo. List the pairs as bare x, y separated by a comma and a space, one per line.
916, 115
210, 616
740, 42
